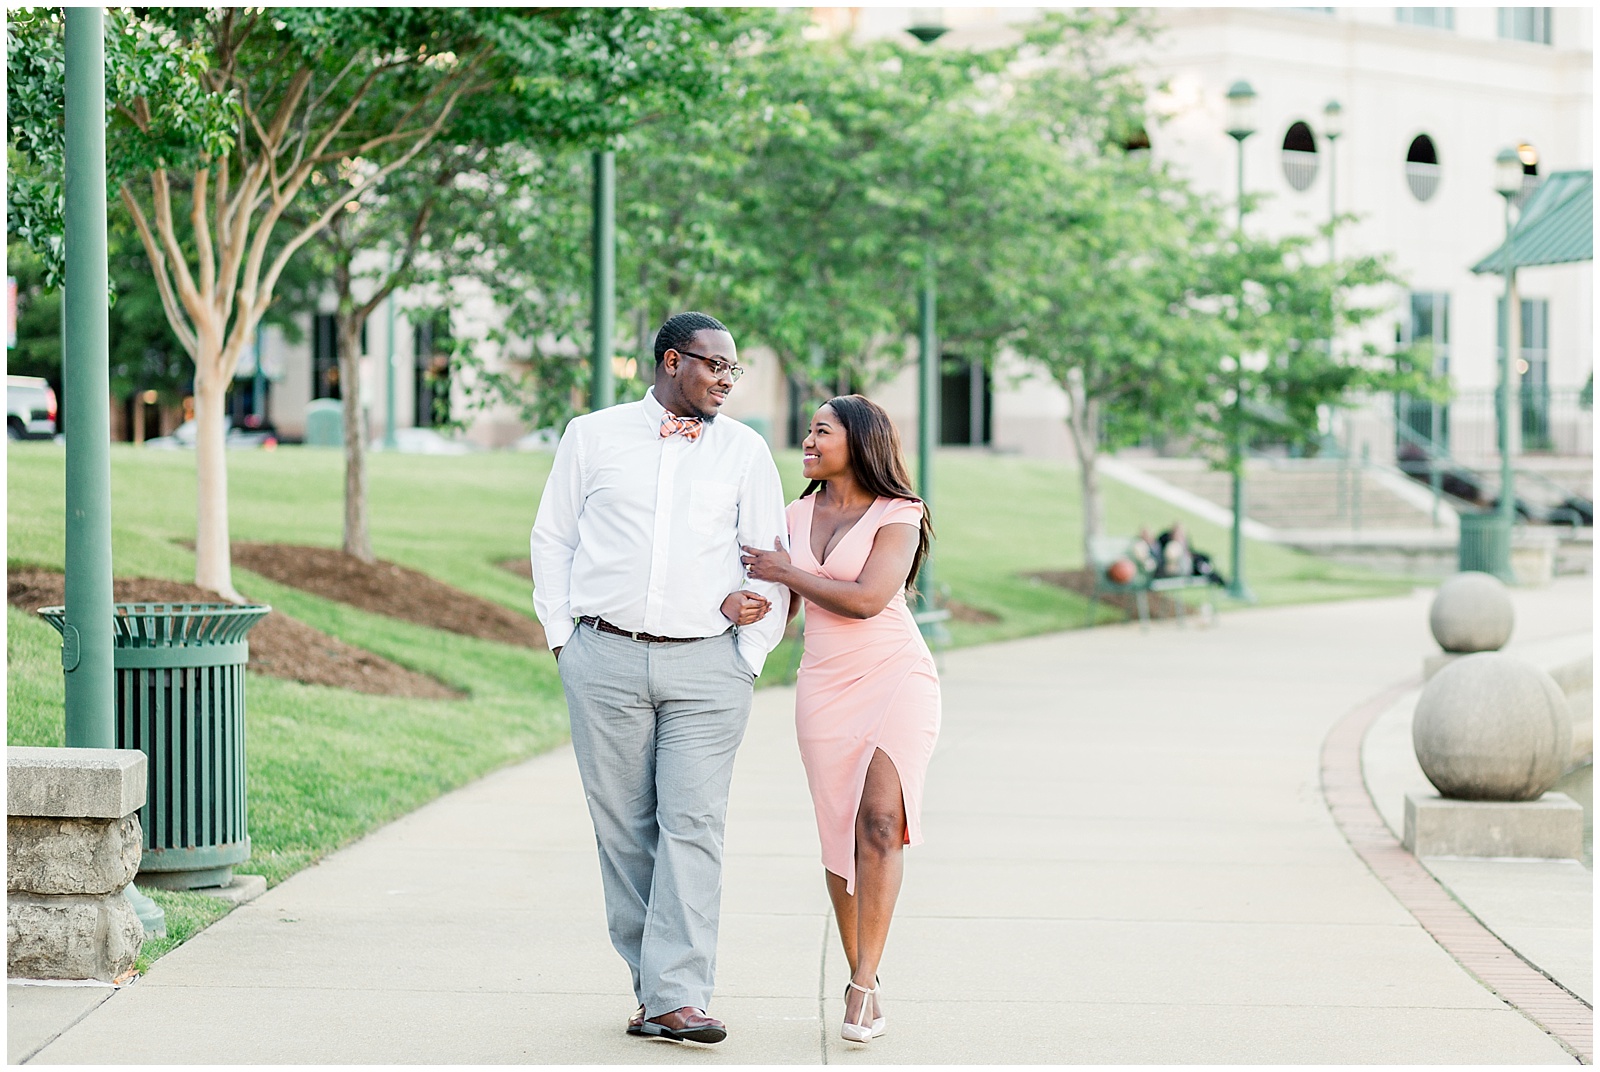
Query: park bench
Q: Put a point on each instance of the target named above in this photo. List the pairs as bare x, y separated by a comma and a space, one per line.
1104, 550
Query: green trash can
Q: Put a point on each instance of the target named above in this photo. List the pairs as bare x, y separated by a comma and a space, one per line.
325, 423
1485, 545
180, 701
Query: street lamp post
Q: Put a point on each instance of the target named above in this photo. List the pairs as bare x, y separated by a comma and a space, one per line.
1241, 124
927, 28
1508, 183
86, 637
602, 384
1333, 129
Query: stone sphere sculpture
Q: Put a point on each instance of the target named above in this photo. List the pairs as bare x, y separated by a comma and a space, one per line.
1471, 612
1492, 727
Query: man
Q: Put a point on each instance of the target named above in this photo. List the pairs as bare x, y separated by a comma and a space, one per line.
637, 580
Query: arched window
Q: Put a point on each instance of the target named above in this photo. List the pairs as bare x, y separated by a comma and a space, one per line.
1300, 156
1422, 168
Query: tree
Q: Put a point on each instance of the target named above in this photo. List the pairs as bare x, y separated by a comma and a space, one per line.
225, 116
616, 66
802, 205
1138, 298
1113, 307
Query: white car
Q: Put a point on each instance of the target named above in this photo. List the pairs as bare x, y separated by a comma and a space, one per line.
423, 441
183, 437
30, 408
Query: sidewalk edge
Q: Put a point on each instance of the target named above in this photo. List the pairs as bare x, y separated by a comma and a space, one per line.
1555, 1010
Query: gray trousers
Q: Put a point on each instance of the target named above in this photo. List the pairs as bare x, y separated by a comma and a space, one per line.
655, 728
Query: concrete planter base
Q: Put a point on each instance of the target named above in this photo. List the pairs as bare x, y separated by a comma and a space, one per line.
1548, 828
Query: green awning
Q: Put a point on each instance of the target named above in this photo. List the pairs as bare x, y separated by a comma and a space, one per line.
1556, 226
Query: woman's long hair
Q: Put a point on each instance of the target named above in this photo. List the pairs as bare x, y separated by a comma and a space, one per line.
877, 463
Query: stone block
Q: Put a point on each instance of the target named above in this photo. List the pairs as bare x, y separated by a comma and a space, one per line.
71, 856
75, 783
1548, 828
70, 937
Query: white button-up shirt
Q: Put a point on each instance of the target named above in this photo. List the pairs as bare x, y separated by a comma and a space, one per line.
645, 532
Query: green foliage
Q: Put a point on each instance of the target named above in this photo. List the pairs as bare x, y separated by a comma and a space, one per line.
161, 113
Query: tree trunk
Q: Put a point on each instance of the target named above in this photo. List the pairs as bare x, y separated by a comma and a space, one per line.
357, 540
1083, 425
213, 560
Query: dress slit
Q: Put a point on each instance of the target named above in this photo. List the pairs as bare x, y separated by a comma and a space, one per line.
874, 746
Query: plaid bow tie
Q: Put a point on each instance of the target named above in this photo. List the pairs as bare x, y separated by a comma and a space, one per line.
688, 427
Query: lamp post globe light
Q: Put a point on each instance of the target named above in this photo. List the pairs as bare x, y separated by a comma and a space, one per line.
1241, 124
927, 26
1508, 184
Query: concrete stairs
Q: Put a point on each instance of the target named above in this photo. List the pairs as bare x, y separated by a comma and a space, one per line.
1310, 495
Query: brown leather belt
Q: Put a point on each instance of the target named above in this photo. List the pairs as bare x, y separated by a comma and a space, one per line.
647, 638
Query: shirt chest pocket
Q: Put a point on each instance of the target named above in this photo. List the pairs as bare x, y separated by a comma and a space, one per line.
713, 507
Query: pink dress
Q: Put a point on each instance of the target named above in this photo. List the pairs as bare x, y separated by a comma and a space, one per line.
864, 684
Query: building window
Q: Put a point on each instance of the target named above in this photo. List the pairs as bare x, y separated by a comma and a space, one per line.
966, 404
1422, 424
1422, 168
325, 356
1525, 24
1300, 156
431, 371
1441, 18
805, 395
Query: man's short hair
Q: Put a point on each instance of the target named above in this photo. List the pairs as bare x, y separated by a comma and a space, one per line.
678, 330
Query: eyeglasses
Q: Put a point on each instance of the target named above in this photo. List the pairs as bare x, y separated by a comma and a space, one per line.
718, 366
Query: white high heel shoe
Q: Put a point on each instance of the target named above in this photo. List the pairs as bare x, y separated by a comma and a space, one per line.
859, 1032
880, 1024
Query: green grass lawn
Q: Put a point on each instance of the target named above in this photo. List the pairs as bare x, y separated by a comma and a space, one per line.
326, 766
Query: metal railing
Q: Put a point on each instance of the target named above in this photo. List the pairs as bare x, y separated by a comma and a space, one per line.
1465, 487
1552, 420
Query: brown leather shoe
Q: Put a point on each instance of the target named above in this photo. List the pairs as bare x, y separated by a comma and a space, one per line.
635, 1021
687, 1024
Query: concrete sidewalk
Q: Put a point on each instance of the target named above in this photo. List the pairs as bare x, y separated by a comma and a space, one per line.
1128, 861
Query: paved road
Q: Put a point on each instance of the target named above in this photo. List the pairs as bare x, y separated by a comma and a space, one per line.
1128, 861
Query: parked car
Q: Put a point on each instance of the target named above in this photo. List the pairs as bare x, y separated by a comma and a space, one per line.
183, 437
424, 441
30, 408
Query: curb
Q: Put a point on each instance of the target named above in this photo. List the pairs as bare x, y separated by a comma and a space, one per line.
1563, 1015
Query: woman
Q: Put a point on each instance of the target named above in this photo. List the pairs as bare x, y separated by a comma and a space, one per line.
867, 699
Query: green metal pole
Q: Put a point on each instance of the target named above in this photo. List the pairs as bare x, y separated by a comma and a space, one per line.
1508, 492
390, 442
87, 638
1333, 199
928, 432
1236, 586
602, 384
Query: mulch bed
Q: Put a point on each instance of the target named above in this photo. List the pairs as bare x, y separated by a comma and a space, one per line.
388, 589
960, 612
280, 646
1081, 581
